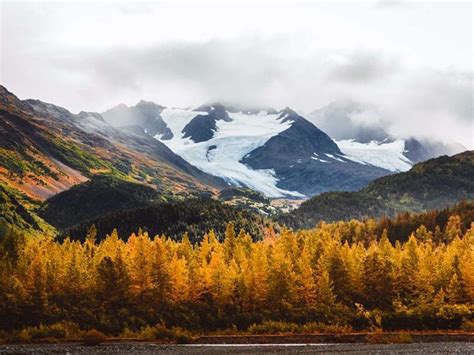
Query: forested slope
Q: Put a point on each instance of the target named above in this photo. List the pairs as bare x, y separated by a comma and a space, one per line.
436, 183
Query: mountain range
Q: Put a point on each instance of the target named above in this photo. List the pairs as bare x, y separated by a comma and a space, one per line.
278, 153
59, 169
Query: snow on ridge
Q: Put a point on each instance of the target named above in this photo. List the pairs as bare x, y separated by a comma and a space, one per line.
233, 140
384, 155
319, 159
332, 156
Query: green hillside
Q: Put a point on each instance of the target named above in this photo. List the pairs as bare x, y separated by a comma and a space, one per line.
97, 197
433, 184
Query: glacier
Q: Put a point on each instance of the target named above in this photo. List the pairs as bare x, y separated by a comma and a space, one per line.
230, 143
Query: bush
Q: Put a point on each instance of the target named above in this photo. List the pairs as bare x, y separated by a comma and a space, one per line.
93, 337
161, 332
278, 327
43, 333
468, 325
182, 337
383, 338
315, 327
55, 331
273, 327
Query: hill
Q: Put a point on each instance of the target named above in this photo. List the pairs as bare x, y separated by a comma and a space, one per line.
433, 184
99, 196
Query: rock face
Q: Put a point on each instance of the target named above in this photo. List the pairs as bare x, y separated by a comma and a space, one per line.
202, 127
301, 140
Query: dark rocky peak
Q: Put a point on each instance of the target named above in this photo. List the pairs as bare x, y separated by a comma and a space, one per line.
287, 112
216, 111
288, 115
219, 113
202, 127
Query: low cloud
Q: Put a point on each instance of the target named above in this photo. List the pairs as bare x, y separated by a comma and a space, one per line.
304, 70
361, 67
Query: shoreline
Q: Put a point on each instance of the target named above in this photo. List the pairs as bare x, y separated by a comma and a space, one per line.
291, 339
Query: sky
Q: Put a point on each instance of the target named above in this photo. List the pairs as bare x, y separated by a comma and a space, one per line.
411, 61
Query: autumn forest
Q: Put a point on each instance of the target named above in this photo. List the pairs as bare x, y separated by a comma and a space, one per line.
341, 275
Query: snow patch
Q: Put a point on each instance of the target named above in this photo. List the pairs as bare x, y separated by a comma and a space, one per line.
334, 157
321, 160
384, 155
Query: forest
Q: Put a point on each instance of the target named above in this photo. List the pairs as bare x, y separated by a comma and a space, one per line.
344, 275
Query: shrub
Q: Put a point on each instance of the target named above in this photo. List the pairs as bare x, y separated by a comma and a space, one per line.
93, 337
468, 325
182, 337
315, 327
384, 338
161, 332
55, 331
50, 332
273, 327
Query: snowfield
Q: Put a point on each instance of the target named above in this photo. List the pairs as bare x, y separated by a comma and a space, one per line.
232, 140
384, 155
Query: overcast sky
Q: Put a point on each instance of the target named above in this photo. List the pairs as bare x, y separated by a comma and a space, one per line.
413, 61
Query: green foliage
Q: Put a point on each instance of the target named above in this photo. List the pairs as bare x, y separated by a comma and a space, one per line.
13, 214
19, 164
77, 157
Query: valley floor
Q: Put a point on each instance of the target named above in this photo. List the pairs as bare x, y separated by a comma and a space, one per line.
319, 348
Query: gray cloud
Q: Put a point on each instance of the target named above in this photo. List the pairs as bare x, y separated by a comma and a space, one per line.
303, 70
362, 67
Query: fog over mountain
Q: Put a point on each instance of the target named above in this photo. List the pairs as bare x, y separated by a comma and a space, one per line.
417, 79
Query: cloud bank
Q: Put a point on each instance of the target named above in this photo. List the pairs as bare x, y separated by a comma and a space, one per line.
423, 87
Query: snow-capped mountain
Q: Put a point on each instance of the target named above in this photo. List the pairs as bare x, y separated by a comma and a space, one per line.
276, 153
